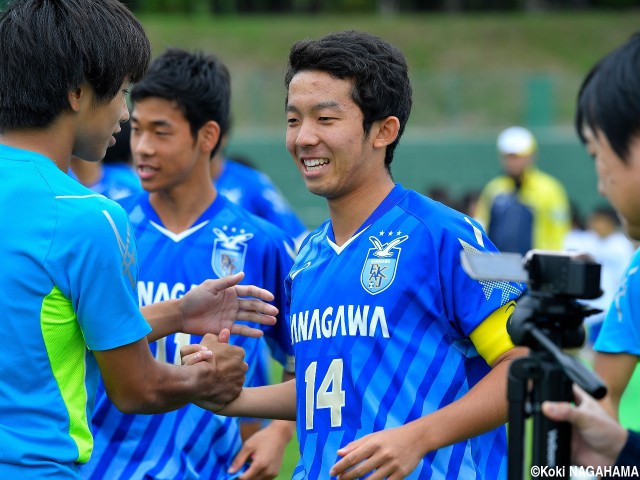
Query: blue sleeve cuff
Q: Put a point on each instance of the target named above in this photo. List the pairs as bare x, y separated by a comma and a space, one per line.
630, 454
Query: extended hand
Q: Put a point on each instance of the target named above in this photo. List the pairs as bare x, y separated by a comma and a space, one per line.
265, 450
215, 304
392, 454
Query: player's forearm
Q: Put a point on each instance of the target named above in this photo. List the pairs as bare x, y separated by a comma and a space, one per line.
152, 387
272, 401
483, 408
164, 318
616, 370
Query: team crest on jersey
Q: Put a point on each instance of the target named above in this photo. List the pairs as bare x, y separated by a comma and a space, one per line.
229, 252
379, 269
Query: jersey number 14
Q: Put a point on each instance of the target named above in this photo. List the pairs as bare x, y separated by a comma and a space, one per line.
330, 394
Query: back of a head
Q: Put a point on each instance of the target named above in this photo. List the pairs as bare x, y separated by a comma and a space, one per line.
50, 47
378, 70
198, 83
609, 98
516, 141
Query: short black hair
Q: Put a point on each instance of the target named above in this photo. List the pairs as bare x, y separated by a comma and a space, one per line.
609, 98
378, 70
199, 84
50, 47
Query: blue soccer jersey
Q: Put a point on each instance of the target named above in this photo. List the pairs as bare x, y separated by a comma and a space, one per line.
190, 442
381, 326
68, 278
620, 331
254, 190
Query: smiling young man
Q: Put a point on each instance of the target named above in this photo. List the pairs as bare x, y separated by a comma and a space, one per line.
401, 357
607, 121
187, 233
69, 306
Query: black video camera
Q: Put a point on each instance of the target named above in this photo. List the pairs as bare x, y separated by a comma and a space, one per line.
563, 274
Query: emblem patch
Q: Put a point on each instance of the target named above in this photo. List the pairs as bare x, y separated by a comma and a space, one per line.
229, 252
379, 269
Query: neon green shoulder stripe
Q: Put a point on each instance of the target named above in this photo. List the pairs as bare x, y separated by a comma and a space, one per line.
66, 349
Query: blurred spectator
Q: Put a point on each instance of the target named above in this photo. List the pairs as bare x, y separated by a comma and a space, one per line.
112, 177
469, 202
610, 247
523, 208
441, 194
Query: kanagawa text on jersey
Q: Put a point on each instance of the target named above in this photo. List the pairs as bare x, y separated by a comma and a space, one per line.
343, 320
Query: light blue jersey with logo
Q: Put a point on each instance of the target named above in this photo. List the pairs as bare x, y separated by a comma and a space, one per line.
68, 279
381, 328
190, 443
620, 331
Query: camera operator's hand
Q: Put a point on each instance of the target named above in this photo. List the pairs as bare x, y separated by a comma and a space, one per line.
597, 439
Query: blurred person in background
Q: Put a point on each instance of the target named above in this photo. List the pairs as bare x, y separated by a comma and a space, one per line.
523, 208
608, 123
606, 242
186, 232
113, 176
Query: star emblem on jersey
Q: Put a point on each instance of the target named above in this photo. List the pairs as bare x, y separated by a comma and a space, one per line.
488, 286
379, 269
229, 252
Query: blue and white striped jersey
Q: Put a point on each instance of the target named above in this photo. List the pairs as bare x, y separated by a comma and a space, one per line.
190, 442
381, 326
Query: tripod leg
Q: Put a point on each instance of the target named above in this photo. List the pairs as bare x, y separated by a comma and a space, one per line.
521, 372
551, 440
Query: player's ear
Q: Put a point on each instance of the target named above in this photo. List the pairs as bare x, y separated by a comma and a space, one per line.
209, 135
76, 97
385, 131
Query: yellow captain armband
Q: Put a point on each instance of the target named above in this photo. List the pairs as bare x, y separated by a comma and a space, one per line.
490, 337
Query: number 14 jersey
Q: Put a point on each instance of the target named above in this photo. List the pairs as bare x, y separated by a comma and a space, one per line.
380, 327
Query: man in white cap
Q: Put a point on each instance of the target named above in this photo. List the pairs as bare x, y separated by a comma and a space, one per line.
523, 208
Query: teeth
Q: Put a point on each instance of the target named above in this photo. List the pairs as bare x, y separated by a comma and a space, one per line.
315, 163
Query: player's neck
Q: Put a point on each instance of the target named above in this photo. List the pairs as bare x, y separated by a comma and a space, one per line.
179, 208
54, 142
88, 173
349, 212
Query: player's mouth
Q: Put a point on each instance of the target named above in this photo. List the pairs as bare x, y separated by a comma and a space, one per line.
314, 164
145, 172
